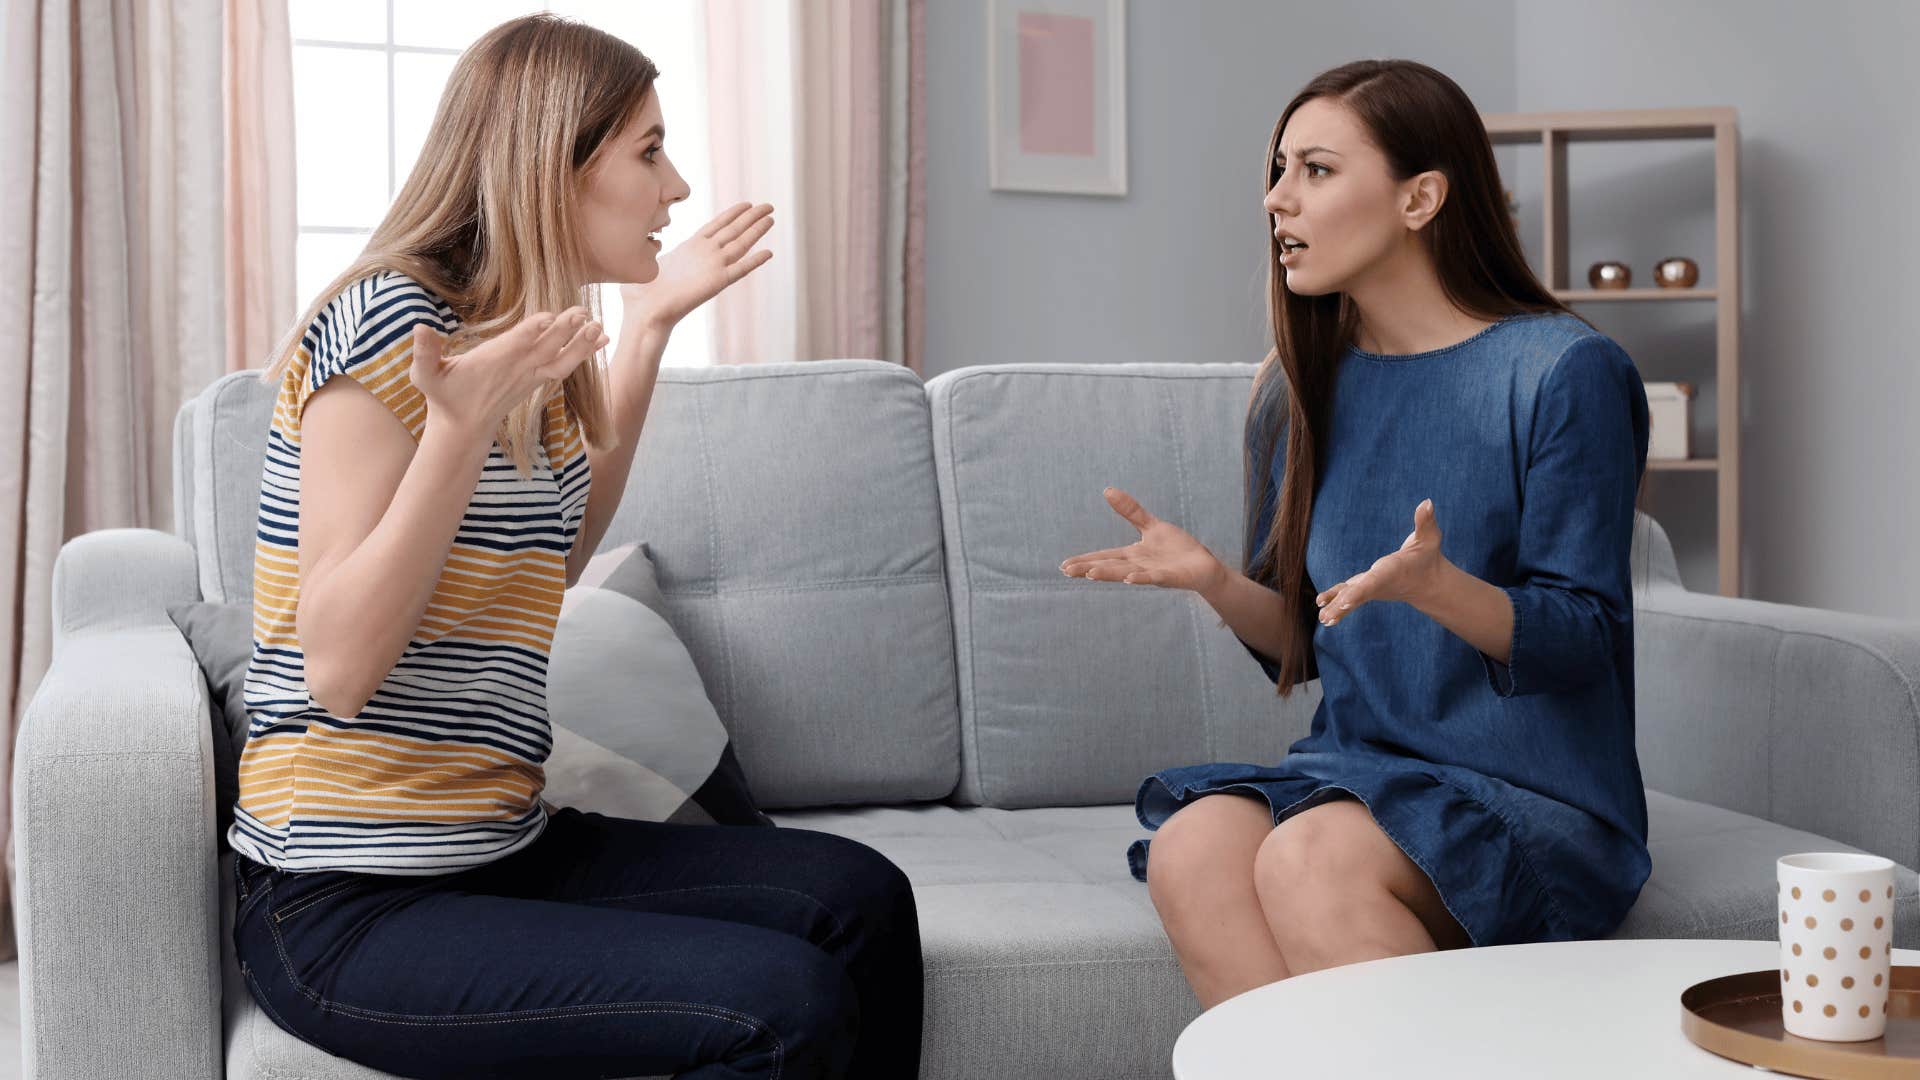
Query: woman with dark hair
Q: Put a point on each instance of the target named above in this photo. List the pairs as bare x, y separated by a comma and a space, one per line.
1470, 776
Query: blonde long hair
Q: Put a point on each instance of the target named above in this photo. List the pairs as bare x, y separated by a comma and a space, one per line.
488, 217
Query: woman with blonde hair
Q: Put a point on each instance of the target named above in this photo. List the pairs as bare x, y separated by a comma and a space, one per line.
406, 898
1470, 776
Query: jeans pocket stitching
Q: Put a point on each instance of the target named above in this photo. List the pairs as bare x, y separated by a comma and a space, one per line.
297, 906
260, 895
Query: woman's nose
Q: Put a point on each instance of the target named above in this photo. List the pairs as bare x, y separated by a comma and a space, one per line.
1277, 199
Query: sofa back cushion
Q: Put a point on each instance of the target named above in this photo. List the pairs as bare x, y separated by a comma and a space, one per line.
1072, 691
223, 435
793, 518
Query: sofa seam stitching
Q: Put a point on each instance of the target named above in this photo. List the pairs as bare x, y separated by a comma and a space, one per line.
713, 553
970, 707
1208, 725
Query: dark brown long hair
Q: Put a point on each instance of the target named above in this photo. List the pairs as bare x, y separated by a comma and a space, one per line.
1421, 120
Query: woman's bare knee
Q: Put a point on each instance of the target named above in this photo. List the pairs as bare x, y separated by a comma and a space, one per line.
1204, 833
1207, 841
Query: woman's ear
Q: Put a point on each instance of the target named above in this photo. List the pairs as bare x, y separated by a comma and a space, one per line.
1425, 194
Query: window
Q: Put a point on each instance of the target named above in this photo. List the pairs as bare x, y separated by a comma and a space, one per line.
367, 76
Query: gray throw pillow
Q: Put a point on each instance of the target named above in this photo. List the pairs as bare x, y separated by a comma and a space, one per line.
634, 734
221, 637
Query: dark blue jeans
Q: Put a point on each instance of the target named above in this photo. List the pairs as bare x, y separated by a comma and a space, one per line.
606, 948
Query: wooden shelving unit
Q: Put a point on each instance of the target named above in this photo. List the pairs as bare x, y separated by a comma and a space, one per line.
1554, 132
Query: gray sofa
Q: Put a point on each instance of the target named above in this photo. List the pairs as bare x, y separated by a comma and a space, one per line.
865, 570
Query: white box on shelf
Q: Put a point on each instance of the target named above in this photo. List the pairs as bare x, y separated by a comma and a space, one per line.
1668, 404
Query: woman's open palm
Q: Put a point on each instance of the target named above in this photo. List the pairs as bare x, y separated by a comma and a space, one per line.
475, 389
1403, 575
1165, 555
722, 252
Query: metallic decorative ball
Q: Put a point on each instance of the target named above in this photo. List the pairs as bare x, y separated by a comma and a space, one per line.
1610, 275
1676, 273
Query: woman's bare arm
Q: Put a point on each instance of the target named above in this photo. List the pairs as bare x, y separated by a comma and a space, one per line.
377, 518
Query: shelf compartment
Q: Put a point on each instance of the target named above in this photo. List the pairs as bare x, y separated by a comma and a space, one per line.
1598, 296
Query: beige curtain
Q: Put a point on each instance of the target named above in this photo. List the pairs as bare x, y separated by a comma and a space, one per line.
819, 108
111, 286
261, 228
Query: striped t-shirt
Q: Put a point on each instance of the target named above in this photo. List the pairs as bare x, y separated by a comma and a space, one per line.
442, 769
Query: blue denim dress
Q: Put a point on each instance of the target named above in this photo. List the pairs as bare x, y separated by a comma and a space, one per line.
1514, 786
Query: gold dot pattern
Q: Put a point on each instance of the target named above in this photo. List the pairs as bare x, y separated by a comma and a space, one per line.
1837, 1004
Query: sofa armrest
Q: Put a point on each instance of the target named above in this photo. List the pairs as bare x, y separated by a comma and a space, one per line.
117, 902
114, 578
1803, 717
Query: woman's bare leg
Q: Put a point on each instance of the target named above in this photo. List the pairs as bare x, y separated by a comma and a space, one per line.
1200, 875
1335, 890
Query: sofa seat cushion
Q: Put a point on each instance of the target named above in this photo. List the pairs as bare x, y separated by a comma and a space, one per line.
1044, 958
1713, 875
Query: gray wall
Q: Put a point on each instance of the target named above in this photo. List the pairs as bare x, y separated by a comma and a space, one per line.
1175, 269
1830, 149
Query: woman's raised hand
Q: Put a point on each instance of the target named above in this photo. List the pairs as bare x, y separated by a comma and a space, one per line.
695, 271
1165, 555
1407, 574
473, 391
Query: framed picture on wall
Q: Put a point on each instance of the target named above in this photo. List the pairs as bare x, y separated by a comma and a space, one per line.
1057, 96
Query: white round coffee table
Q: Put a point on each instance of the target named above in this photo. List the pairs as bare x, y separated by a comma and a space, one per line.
1565, 1009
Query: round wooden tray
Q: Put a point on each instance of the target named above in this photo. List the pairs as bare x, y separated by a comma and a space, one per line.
1738, 1017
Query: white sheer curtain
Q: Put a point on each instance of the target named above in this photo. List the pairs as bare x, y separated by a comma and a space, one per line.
260, 223
818, 108
111, 285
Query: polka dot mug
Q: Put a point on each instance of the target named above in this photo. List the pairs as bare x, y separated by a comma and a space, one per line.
1836, 945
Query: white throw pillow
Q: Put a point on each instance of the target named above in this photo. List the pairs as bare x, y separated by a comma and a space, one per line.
634, 734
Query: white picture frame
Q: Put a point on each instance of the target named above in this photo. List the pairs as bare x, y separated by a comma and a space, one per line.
1064, 128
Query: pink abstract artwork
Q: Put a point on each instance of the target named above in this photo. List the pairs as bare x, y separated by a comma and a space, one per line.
1056, 84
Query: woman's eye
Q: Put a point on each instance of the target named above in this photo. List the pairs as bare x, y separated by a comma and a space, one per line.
651, 152
1280, 170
